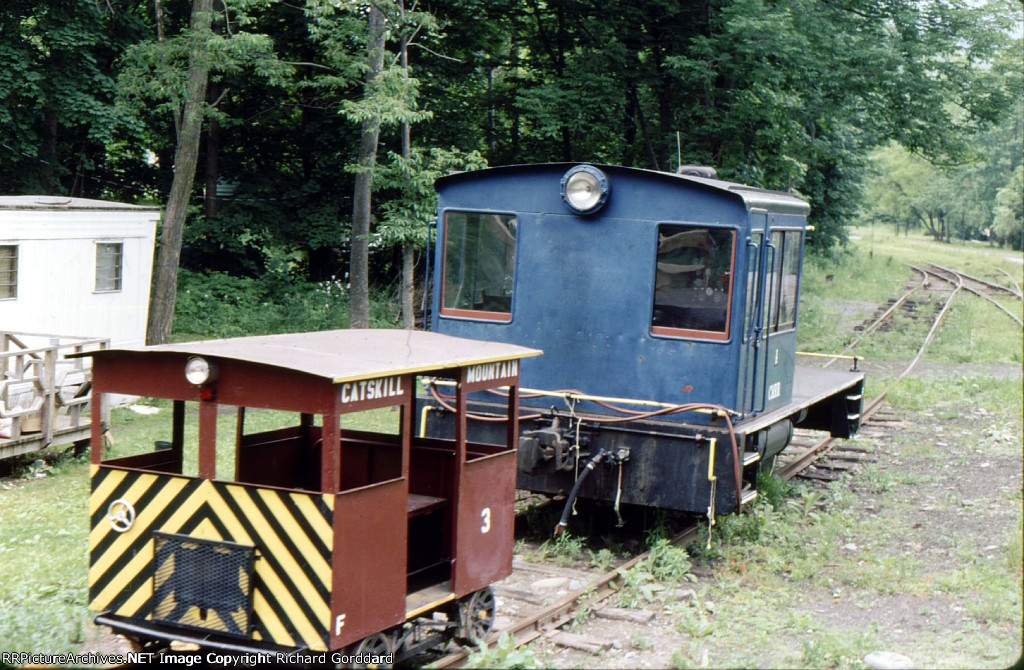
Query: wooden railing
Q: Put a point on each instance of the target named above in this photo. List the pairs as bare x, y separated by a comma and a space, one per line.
42, 392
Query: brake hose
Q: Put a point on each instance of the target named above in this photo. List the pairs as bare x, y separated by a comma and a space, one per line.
587, 469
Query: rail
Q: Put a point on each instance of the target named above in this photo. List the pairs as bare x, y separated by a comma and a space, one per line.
961, 276
884, 317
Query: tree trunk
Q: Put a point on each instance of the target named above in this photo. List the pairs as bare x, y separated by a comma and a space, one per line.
212, 157
186, 156
48, 154
408, 286
362, 198
408, 253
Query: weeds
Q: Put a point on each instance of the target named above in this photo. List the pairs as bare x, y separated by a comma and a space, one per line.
585, 611
604, 560
638, 588
564, 550
642, 584
667, 562
807, 504
875, 480
216, 304
641, 642
772, 488
503, 655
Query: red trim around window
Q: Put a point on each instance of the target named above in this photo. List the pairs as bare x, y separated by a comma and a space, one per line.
500, 317
711, 335
476, 314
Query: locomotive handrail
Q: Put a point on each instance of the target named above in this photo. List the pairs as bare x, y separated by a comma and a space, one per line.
750, 330
767, 331
578, 395
833, 357
751, 327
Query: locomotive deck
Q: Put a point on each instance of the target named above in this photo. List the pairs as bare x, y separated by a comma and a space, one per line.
811, 386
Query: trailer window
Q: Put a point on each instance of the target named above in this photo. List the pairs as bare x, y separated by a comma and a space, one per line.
693, 281
479, 265
108, 266
8, 271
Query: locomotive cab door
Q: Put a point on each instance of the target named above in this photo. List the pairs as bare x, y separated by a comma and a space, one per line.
774, 258
755, 335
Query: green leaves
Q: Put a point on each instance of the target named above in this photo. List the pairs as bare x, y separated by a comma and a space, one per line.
411, 207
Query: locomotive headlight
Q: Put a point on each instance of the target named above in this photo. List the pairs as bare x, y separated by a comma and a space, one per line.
585, 189
200, 371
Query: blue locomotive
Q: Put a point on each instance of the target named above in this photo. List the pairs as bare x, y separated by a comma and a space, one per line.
667, 307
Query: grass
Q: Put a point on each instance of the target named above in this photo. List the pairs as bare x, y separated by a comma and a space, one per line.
44, 561
872, 272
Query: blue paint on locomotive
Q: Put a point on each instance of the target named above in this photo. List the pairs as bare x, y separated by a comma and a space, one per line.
583, 286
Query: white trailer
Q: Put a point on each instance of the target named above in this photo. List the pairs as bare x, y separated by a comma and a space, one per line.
75, 275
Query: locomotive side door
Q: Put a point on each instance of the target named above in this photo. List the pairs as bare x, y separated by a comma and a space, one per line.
760, 260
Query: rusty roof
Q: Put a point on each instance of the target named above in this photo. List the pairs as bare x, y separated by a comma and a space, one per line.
348, 355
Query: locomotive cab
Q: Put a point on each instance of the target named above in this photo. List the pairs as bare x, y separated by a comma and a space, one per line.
666, 305
265, 521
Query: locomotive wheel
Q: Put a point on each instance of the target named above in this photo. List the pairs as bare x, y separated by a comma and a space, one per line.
476, 615
378, 644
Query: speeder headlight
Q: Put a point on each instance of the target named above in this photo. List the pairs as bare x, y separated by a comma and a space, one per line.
585, 189
200, 371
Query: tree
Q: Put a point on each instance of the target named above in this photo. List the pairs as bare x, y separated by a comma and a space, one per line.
1009, 212
57, 81
362, 199
176, 71
412, 206
165, 280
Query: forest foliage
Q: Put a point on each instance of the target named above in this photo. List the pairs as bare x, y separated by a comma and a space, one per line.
914, 103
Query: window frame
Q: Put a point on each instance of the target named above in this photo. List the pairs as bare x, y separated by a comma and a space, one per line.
775, 309
118, 275
692, 333
10, 286
754, 269
478, 314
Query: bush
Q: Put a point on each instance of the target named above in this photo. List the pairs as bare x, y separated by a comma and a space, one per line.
216, 304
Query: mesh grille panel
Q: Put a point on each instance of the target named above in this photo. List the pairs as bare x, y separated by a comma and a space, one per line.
202, 583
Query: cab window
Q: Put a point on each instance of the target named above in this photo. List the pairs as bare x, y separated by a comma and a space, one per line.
693, 281
784, 280
479, 265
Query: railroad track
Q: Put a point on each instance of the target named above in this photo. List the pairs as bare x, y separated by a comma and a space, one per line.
979, 287
550, 618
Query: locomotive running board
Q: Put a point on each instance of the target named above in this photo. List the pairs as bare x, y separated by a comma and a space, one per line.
150, 631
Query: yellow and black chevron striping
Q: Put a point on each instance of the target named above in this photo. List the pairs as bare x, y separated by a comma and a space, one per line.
291, 534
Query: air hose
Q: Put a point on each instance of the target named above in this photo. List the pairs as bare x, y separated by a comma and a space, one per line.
587, 469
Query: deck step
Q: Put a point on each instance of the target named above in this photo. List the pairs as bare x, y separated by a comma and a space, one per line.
751, 457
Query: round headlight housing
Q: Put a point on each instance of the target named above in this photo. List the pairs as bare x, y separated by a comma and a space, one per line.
200, 371
585, 189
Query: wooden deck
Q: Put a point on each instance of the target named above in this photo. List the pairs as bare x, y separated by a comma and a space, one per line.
44, 394
64, 432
